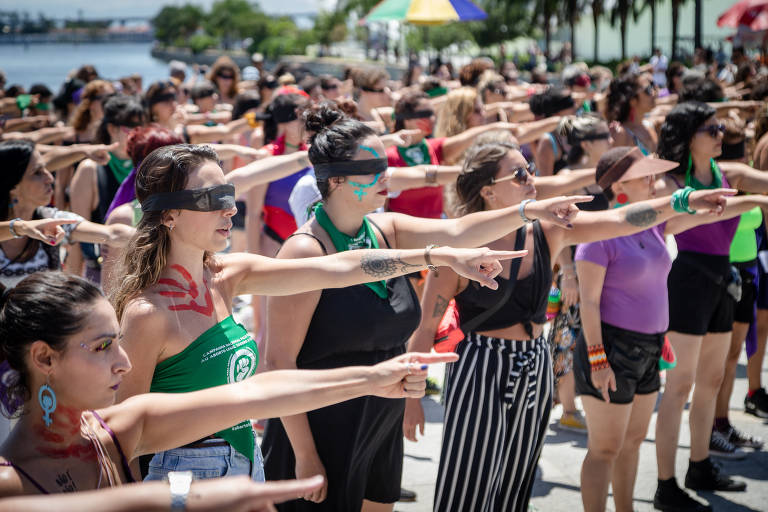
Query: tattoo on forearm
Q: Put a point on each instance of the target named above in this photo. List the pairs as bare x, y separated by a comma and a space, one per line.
384, 266
640, 215
65, 482
441, 304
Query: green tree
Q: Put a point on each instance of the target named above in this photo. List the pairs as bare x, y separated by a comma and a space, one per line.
330, 27
231, 20
177, 23
507, 19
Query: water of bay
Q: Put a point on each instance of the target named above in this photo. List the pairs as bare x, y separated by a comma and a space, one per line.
50, 63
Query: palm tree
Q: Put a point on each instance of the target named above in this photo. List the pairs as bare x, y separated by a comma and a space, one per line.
650, 4
597, 12
620, 12
572, 13
676, 4
545, 10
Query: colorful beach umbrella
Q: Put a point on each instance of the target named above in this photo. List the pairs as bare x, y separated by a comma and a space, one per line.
426, 12
752, 14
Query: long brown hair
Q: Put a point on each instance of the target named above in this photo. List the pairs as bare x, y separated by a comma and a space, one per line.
166, 169
480, 167
82, 116
222, 63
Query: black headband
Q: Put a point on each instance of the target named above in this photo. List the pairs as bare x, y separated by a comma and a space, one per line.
160, 98
416, 114
350, 168
371, 89
218, 197
595, 136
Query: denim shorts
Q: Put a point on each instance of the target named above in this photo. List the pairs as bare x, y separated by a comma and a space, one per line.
207, 462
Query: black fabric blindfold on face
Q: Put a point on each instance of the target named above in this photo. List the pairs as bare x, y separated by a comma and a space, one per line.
160, 98
416, 114
350, 168
218, 197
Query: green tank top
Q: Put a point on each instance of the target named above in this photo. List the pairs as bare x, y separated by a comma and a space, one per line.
744, 245
223, 354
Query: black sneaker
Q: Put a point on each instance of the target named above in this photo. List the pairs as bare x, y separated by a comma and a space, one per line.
407, 496
741, 439
706, 476
671, 498
757, 404
719, 446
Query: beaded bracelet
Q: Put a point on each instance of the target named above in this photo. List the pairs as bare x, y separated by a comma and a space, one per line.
597, 358
679, 201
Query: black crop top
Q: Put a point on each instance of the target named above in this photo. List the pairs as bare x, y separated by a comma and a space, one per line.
528, 302
354, 326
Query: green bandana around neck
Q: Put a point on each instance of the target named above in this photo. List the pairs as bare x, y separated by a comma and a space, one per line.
691, 181
120, 168
418, 154
364, 239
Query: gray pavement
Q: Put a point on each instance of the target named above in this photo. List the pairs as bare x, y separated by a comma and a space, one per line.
557, 483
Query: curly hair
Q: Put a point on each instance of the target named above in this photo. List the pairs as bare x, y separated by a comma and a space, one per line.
92, 92
678, 129
455, 112
165, 169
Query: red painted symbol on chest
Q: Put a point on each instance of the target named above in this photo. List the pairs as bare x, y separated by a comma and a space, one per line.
190, 290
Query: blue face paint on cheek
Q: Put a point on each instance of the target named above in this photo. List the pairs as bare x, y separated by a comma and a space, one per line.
370, 150
360, 187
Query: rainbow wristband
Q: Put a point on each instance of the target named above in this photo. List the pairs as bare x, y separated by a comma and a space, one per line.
679, 200
597, 358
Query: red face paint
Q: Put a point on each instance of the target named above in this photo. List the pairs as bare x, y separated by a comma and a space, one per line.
190, 290
66, 424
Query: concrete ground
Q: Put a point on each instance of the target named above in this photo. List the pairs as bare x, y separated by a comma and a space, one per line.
557, 483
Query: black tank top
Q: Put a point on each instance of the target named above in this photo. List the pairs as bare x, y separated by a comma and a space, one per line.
354, 326
107, 186
528, 302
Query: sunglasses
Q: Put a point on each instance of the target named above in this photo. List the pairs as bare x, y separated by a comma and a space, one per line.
519, 174
329, 87
371, 89
712, 130
649, 89
225, 77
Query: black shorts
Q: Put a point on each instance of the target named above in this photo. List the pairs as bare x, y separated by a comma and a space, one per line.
634, 359
697, 304
744, 310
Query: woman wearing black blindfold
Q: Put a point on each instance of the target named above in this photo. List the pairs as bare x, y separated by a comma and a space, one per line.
173, 297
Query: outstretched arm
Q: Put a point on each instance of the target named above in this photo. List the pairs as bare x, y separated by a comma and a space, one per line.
266, 170
154, 422
259, 275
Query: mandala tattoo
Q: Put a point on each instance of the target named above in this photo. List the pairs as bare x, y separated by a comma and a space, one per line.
378, 265
640, 215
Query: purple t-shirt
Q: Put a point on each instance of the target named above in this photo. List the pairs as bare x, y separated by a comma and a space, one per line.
712, 238
634, 293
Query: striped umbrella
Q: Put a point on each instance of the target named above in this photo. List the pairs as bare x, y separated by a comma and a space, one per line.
426, 12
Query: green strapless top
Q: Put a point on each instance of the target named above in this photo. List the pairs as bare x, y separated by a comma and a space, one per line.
223, 354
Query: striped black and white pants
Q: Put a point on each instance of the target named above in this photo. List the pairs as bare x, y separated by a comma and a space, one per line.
498, 400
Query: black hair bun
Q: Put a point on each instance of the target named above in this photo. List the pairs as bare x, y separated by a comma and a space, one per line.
319, 117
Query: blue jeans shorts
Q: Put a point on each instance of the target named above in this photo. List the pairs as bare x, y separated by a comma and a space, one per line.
207, 462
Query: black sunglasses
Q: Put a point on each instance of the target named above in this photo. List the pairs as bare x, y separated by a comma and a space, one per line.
226, 77
712, 130
519, 174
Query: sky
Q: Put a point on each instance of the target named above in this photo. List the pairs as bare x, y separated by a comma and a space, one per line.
116, 8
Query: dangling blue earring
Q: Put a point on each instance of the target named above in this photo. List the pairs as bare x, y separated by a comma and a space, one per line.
47, 399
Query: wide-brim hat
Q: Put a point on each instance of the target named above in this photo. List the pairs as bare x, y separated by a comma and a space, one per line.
618, 165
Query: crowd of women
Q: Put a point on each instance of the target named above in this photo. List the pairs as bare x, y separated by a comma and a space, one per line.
595, 235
